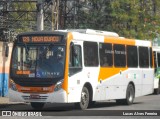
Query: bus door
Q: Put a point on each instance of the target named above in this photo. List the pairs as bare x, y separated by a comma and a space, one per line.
75, 75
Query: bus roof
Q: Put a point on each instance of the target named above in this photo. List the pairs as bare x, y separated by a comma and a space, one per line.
156, 48
92, 32
109, 39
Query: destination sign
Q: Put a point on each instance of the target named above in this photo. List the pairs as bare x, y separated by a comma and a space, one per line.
40, 39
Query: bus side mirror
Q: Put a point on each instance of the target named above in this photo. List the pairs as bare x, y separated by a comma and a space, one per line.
6, 50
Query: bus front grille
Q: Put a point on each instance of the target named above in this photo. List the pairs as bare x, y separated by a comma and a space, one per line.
36, 98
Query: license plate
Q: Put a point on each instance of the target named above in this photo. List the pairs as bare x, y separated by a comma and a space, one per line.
34, 96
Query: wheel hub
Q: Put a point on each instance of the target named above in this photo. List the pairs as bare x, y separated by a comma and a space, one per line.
84, 98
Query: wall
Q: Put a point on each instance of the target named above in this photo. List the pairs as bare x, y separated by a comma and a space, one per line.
4, 68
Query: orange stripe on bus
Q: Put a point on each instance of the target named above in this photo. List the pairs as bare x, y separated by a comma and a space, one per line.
108, 72
116, 40
65, 83
35, 89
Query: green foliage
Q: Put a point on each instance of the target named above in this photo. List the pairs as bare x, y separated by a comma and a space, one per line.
24, 18
129, 18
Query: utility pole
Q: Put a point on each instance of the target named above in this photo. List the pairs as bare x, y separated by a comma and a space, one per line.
55, 15
69, 14
40, 19
49, 15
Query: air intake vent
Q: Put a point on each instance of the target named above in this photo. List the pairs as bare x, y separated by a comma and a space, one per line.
37, 98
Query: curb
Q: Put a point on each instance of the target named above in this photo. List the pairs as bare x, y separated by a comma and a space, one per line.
5, 101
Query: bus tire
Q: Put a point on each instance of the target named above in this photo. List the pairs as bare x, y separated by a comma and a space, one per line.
37, 105
157, 91
84, 102
130, 95
120, 101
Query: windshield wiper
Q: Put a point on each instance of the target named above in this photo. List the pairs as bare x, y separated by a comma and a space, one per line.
27, 51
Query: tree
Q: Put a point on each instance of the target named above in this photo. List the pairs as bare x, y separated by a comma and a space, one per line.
129, 18
23, 16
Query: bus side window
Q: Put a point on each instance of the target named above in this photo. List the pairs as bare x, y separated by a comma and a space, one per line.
143, 57
90, 54
75, 60
106, 54
132, 56
119, 55
158, 59
155, 59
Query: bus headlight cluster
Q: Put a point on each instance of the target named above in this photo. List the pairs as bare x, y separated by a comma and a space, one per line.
13, 85
58, 85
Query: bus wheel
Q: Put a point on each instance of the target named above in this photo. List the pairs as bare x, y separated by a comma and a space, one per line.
37, 105
83, 104
130, 95
157, 91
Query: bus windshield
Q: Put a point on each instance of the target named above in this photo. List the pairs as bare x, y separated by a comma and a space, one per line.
39, 61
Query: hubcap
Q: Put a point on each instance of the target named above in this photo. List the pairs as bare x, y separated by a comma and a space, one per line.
130, 97
84, 98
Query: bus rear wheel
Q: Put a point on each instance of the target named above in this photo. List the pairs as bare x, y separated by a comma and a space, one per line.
84, 102
37, 105
130, 95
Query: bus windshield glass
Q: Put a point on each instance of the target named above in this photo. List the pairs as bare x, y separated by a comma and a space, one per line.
38, 61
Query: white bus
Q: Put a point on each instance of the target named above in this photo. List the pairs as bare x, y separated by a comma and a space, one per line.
156, 51
79, 66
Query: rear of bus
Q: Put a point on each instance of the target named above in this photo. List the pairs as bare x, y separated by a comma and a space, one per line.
37, 68
156, 51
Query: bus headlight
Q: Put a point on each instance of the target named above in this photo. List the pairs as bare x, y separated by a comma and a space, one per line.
13, 85
58, 85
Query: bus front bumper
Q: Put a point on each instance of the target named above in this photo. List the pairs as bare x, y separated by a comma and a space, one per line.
55, 97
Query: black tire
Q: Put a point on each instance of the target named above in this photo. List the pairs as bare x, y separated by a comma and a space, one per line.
157, 91
84, 102
37, 105
91, 104
120, 101
130, 95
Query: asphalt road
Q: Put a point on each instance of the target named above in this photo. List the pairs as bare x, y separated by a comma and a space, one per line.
149, 103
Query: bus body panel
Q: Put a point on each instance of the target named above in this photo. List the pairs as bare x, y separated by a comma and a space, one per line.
109, 88
148, 76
